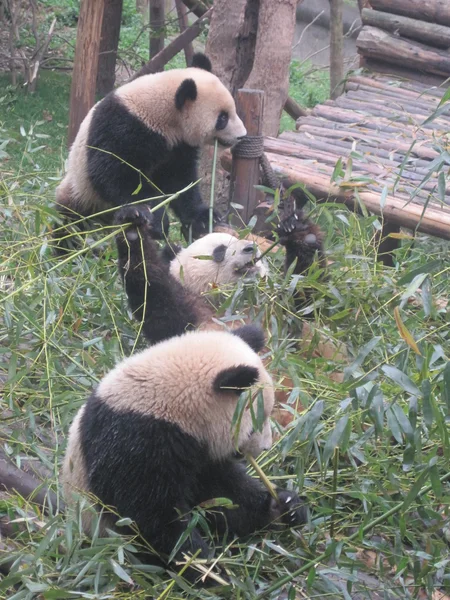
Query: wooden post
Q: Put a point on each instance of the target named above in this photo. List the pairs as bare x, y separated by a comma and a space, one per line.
84, 76
157, 33
245, 171
336, 48
183, 22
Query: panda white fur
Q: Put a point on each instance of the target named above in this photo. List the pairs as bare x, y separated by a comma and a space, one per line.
217, 259
145, 136
155, 439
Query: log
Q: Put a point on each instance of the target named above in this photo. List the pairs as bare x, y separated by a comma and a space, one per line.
434, 11
403, 72
84, 75
386, 142
390, 111
245, 171
157, 63
13, 478
294, 109
392, 95
431, 94
378, 44
341, 115
421, 31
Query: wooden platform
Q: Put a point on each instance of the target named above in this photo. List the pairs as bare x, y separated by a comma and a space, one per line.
388, 155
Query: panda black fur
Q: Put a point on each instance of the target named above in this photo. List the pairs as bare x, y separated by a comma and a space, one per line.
155, 124
155, 439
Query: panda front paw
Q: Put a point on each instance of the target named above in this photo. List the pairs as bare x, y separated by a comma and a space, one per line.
299, 229
291, 510
136, 217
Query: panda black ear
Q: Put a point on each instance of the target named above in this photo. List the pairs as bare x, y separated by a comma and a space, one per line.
201, 61
253, 335
235, 379
219, 253
186, 91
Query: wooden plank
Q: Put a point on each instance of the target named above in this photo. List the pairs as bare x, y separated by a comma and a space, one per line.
378, 44
419, 30
245, 171
387, 85
434, 11
84, 75
399, 71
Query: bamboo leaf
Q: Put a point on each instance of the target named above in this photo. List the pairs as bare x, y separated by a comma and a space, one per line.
401, 379
405, 334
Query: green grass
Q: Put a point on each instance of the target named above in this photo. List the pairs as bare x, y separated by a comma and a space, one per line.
308, 89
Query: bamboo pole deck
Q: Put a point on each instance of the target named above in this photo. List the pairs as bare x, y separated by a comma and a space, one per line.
377, 129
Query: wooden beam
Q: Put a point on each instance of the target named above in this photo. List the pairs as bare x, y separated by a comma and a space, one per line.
84, 76
375, 43
421, 31
434, 11
245, 171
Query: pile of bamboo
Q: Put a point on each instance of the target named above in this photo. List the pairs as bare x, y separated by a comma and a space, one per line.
409, 36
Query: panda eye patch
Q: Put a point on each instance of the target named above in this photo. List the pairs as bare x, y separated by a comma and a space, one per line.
222, 120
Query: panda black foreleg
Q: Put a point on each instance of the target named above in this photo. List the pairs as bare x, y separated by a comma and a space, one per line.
157, 299
255, 507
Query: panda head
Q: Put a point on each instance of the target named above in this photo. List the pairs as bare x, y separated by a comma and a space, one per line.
217, 258
194, 381
188, 106
206, 108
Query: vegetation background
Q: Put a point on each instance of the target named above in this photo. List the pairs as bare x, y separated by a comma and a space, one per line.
371, 454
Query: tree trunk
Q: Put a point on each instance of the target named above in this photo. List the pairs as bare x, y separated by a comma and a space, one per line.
84, 76
183, 22
106, 73
231, 40
375, 43
336, 48
426, 33
276, 26
142, 7
435, 11
363, 4
157, 33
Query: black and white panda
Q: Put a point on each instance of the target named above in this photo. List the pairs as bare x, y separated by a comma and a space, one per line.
165, 289
156, 439
144, 137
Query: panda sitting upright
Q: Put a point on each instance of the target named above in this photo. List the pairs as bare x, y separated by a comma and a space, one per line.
157, 438
143, 139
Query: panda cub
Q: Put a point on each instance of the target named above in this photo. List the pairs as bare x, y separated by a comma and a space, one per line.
143, 139
156, 439
164, 289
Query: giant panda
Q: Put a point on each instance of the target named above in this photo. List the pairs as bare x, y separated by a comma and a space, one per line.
143, 139
156, 439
